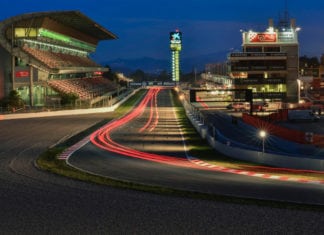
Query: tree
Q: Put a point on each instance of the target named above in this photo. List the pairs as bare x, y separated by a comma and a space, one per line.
110, 74
139, 76
69, 98
190, 77
163, 76
308, 62
14, 100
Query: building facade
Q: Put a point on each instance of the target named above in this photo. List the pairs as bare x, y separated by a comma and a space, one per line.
268, 63
37, 48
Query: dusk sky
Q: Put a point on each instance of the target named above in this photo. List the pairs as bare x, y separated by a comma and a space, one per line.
208, 26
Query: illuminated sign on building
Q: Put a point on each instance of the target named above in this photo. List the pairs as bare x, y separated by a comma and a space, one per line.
262, 37
286, 36
175, 37
22, 74
269, 37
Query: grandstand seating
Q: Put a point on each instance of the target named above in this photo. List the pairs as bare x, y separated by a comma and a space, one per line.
76, 61
85, 88
59, 60
43, 56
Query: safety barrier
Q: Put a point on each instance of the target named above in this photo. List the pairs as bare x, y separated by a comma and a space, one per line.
277, 160
288, 134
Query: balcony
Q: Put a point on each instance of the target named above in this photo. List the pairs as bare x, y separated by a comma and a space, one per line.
257, 81
269, 95
258, 68
258, 55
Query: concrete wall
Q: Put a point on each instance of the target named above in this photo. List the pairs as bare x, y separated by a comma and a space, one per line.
69, 112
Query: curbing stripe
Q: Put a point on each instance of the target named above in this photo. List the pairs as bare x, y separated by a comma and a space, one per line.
253, 174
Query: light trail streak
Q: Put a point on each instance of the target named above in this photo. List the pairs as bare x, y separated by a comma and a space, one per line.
156, 120
203, 104
153, 110
102, 137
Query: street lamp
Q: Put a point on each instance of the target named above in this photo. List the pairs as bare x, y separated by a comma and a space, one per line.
263, 135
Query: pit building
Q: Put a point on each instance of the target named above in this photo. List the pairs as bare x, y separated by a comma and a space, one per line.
268, 63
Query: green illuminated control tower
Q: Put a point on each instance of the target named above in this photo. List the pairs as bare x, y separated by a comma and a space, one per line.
175, 46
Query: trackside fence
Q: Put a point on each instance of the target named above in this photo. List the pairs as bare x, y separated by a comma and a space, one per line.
277, 160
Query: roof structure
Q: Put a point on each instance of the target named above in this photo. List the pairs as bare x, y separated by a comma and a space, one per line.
70, 23
73, 19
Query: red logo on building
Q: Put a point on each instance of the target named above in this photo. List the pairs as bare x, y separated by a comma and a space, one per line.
22, 74
262, 37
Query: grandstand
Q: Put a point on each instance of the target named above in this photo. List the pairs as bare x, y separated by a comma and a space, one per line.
45, 55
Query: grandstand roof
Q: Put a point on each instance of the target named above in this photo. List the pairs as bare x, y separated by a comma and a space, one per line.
70, 23
73, 19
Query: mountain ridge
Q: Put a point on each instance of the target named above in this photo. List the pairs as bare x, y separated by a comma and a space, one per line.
155, 66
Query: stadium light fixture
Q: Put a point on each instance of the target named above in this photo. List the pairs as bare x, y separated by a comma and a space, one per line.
263, 135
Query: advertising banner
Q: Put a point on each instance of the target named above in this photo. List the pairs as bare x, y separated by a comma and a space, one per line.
262, 37
22, 74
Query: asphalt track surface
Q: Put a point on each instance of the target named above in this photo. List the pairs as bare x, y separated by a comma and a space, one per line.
163, 136
37, 202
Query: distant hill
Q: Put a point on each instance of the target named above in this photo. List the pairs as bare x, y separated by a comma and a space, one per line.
199, 62
155, 66
148, 65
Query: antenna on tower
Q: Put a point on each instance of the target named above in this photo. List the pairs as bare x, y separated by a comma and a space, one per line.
286, 11
284, 19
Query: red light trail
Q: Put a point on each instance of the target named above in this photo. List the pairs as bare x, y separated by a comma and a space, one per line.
153, 110
102, 137
203, 104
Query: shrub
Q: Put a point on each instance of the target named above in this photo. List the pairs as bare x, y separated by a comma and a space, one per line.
69, 98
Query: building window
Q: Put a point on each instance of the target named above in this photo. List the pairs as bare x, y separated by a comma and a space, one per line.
253, 49
272, 49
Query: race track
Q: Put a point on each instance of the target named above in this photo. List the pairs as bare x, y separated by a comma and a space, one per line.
158, 156
37, 202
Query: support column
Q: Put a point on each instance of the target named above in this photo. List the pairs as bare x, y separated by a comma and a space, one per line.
31, 85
